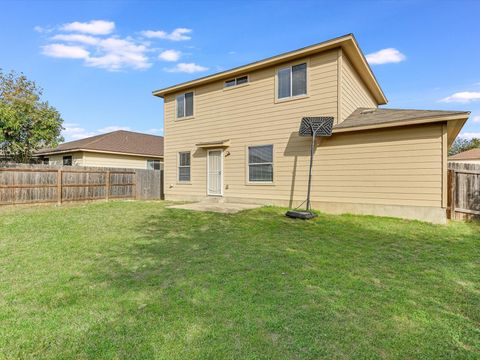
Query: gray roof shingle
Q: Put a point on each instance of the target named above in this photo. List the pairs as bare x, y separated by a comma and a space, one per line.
472, 154
121, 141
375, 116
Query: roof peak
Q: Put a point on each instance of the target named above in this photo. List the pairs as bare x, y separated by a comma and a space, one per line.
347, 43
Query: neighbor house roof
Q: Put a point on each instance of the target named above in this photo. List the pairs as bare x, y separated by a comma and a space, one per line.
372, 118
347, 42
121, 141
472, 154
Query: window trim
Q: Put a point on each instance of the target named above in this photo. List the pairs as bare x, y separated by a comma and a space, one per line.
290, 65
189, 166
154, 160
176, 106
236, 86
67, 156
247, 168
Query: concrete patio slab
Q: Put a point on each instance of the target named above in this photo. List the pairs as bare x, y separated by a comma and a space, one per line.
226, 208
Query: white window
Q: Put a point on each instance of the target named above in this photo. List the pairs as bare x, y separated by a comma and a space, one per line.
237, 81
292, 81
154, 165
185, 105
260, 163
67, 160
184, 166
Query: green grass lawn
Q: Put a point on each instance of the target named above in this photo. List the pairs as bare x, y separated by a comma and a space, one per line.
136, 280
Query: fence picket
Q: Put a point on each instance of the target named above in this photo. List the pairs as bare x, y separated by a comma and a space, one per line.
29, 184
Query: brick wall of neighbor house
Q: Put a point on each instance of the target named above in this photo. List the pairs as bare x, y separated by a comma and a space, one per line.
389, 172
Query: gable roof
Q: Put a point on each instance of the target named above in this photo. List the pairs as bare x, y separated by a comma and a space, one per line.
347, 42
472, 154
121, 141
370, 118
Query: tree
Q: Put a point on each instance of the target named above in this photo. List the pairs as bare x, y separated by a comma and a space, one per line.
27, 123
462, 144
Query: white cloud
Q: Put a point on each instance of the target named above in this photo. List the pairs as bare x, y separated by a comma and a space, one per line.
118, 54
462, 97
84, 39
470, 135
232, 52
76, 132
189, 68
95, 27
179, 34
385, 56
65, 51
170, 55
110, 53
41, 29
476, 119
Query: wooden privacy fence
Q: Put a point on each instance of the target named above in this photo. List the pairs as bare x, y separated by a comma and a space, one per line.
463, 191
40, 184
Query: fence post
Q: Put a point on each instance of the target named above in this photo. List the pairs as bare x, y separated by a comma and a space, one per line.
59, 186
107, 185
134, 188
162, 194
453, 195
14, 189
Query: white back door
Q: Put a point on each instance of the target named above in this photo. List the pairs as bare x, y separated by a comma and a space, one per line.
215, 172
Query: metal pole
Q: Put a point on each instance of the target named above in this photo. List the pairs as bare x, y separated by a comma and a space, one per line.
312, 146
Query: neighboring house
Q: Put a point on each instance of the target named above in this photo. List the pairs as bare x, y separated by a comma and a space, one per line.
471, 156
121, 149
234, 135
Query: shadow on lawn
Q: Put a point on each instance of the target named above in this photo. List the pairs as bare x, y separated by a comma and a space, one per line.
260, 283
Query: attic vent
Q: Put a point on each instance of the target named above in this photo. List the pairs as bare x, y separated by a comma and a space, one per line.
368, 111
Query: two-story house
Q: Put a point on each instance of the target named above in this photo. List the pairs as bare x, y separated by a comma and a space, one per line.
234, 136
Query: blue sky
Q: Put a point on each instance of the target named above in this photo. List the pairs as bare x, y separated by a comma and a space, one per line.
99, 61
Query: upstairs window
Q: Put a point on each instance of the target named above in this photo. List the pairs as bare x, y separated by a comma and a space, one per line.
67, 160
292, 81
185, 105
237, 81
260, 163
184, 166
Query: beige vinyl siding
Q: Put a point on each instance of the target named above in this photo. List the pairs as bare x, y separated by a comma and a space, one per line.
401, 166
397, 168
354, 93
247, 115
57, 160
81, 158
114, 160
